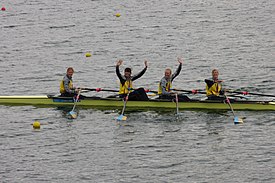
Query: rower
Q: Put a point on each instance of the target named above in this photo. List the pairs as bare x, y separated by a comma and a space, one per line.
126, 83
214, 90
165, 84
66, 85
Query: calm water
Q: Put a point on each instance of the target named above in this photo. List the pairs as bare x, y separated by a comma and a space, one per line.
40, 39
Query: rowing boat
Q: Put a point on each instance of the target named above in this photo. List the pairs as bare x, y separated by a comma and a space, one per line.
98, 102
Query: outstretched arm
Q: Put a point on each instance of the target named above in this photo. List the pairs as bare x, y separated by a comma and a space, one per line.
119, 62
146, 63
178, 70
142, 72
180, 60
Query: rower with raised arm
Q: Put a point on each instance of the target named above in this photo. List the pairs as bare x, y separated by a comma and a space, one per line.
214, 89
126, 83
165, 84
66, 85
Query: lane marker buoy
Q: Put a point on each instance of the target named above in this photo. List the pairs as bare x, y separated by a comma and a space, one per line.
36, 125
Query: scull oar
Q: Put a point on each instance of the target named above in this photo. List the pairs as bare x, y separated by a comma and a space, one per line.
99, 89
248, 93
190, 91
110, 90
236, 119
72, 113
230, 91
149, 92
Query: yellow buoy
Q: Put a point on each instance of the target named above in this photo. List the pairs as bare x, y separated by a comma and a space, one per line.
118, 15
88, 54
36, 125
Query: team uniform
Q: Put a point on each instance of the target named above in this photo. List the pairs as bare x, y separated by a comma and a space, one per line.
126, 86
214, 90
66, 87
165, 86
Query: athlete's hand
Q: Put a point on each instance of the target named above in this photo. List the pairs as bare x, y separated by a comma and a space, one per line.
180, 60
77, 90
119, 62
145, 63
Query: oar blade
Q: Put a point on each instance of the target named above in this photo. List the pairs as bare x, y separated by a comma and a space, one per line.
73, 114
121, 117
238, 120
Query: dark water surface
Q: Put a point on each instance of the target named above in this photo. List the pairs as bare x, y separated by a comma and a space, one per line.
40, 39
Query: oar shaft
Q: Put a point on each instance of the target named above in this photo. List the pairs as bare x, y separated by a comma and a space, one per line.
124, 106
110, 90
249, 93
229, 103
230, 91
99, 89
125, 101
76, 99
191, 91
231, 107
177, 103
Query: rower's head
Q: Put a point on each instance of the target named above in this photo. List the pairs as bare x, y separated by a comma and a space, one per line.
127, 72
167, 73
70, 72
215, 74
